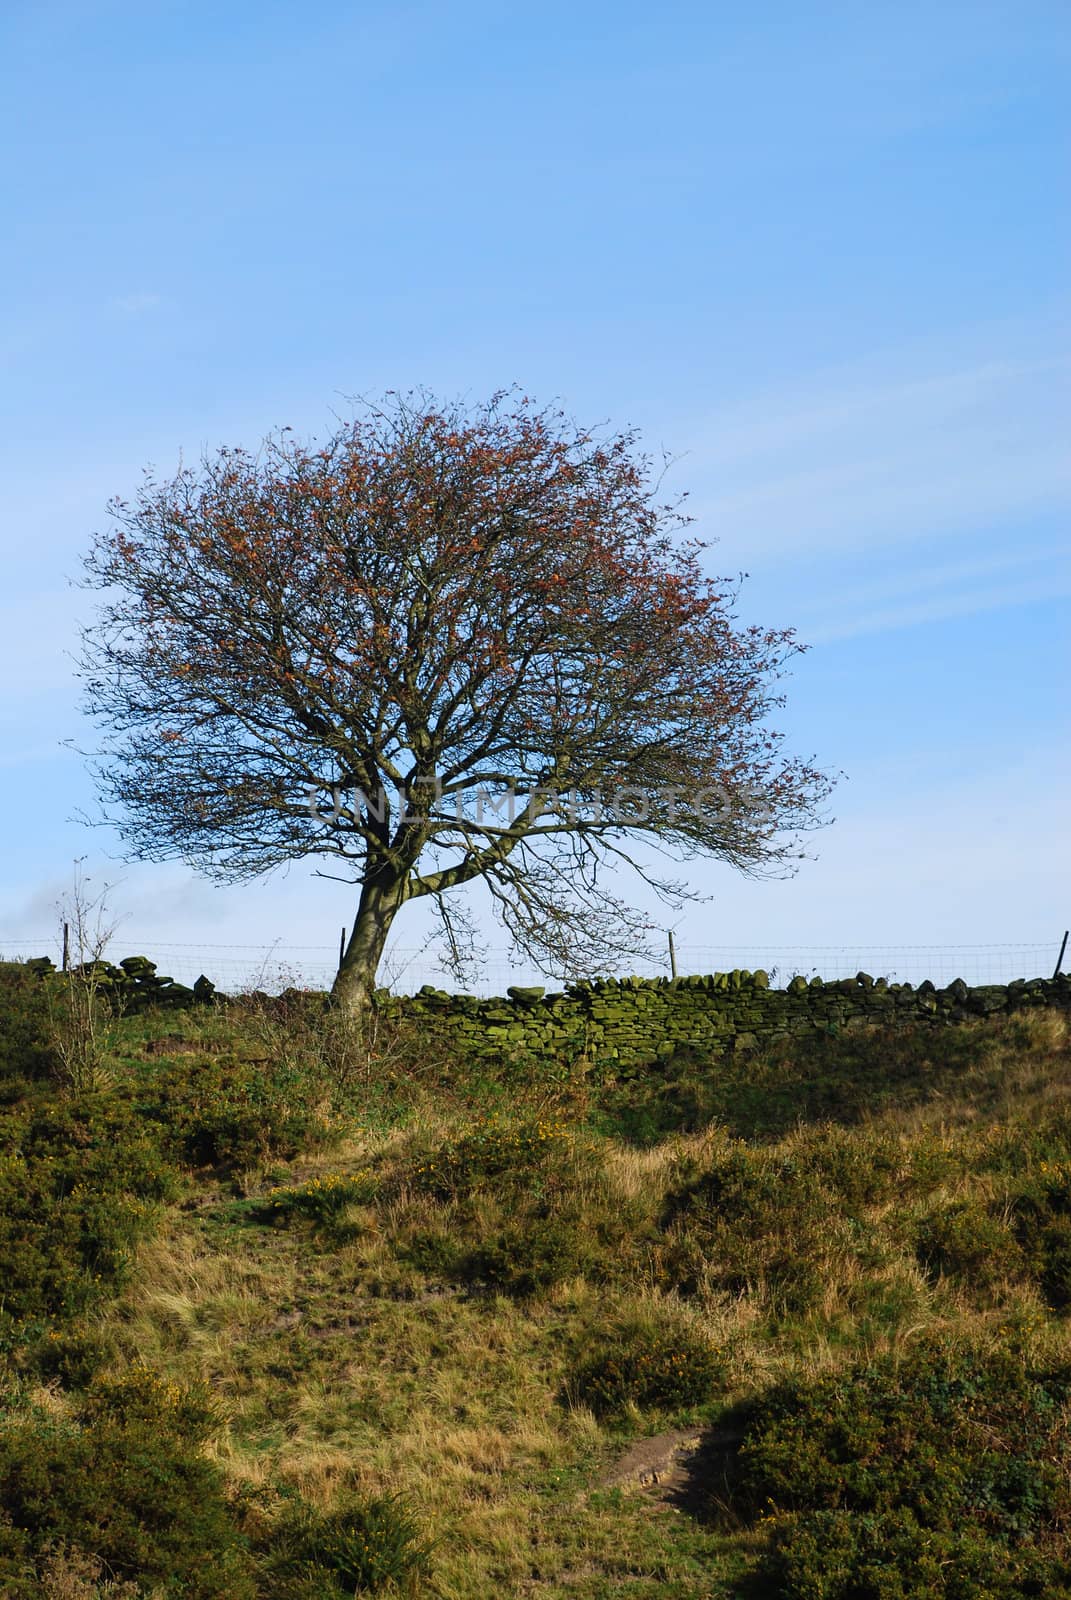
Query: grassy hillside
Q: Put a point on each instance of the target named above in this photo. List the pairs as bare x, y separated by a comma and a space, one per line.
288, 1312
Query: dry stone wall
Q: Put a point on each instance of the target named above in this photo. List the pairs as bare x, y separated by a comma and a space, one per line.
638, 1021
134, 984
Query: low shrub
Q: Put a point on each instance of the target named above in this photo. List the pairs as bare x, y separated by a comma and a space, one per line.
79, 1183
1041, 1218
67, 1573
141, 1395
857, 1167
26, 1053
70, 1354
849, 1077
125, 1482
526, 1247
214, 1110
649, 1366
964, 1240
644, 1105
754, 1221
364, 1547
537, 1156
321, 1200
530, 1254
842, 1555
745, 1184
1052, 1263
955, 1436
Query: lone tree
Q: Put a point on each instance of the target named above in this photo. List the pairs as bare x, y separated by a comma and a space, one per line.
449, 644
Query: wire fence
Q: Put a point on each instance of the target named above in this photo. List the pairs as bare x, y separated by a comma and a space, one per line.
238, 967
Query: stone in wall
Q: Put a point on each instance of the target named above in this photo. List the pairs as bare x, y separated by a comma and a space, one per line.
633, 1022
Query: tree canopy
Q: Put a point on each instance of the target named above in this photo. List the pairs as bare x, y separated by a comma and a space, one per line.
450, 643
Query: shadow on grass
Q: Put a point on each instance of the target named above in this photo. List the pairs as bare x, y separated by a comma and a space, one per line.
843, 1078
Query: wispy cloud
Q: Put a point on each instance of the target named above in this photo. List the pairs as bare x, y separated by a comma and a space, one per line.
941, 607
933, 591
138, 303
886, 458
916, 857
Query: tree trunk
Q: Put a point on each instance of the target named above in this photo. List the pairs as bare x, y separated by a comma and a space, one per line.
382, 896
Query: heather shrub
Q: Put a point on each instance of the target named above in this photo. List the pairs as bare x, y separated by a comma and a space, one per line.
1046, 1142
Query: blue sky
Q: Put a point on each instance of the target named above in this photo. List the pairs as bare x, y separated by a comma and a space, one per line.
817, 252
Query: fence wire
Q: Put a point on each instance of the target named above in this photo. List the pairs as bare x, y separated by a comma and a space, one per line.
238, 967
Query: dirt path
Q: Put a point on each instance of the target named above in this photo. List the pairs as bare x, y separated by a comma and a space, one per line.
688, 1469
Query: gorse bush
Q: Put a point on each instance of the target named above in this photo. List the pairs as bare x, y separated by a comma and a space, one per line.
965, 1240
123, 1481
80, 1180
142, 1395
110, 1492
1040, 1206
321, 1200
516, 1207
538, 1156
755, 1222
545, 1245
954, 1435
854, 1167
647, 1365
743, 1184
1023, 1233
525, 1208
68, 1353
215, 1110
362, 1547
528, 1206
25, 1049
890, 1555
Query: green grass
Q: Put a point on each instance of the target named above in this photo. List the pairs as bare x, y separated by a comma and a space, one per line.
397, 1320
